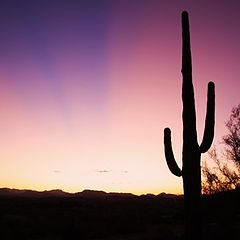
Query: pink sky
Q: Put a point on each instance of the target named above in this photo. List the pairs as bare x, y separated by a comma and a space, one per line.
87, 89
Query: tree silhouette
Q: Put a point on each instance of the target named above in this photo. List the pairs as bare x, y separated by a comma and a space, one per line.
191, 154
232, 139
224, 175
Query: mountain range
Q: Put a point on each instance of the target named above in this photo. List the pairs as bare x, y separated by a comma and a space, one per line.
85, 193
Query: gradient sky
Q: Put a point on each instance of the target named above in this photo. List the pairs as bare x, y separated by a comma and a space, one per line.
87, 87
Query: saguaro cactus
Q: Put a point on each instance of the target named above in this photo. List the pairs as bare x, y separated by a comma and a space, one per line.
191, 153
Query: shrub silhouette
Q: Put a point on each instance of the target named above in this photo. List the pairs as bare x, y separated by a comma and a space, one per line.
191, 153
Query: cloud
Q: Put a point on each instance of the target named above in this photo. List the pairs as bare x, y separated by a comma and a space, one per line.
102, 171
107, 171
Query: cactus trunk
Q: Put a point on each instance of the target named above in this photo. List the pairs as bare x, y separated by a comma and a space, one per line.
192, 198
191, 154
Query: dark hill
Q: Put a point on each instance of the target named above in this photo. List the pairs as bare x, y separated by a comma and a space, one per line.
88, 215
85, 193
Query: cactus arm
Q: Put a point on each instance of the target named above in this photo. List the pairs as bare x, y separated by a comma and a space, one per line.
171, 162
209, 121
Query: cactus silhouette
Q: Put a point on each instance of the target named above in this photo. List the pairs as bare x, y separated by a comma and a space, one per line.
191, 153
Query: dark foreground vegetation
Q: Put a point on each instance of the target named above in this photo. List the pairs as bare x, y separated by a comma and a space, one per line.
97, 215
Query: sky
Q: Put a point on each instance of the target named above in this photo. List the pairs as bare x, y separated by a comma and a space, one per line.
87, 88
